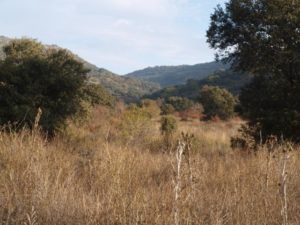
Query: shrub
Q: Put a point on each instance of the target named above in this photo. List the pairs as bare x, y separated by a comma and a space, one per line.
135, 124
150, 106
194, 112
167, 109
217, 102
168, 125
168, 129
179, 103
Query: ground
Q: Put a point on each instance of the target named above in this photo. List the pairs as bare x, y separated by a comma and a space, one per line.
93, 175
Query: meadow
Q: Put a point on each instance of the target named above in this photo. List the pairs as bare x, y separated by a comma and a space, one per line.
114, 169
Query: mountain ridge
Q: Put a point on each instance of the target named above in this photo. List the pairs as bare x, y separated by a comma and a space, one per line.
168, 76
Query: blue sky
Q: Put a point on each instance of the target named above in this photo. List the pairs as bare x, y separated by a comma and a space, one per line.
119, 35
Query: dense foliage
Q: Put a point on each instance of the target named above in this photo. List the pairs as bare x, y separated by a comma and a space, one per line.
34, 77
263, 37
217, 102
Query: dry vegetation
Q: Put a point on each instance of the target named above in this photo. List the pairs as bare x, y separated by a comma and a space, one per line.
99, 174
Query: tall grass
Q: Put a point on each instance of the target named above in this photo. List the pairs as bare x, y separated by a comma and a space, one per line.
88, 176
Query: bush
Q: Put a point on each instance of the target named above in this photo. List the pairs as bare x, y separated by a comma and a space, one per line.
217, 102
150, 106
195, 112
135, 124
168, 129
168, 125
34, 77
179, 103
167, 109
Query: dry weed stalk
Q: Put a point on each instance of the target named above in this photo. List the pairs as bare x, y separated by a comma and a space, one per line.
177, 189
31, 217
182, 152
37, 118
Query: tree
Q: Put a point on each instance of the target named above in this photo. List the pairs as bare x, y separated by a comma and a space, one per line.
34, 77
263, 37
217, 102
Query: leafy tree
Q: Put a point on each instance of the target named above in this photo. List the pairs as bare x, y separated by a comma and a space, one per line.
34, 77
217, 102
263, 37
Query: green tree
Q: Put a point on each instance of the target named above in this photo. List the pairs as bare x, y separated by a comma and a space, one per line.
263, 37
217, 102
34, 77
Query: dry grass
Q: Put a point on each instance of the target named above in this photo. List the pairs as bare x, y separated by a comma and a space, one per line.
90, 177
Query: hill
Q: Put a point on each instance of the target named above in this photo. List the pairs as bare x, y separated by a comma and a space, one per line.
126, 88
168, 76
227, 79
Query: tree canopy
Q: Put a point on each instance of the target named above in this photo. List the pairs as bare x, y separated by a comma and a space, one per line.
33, 76
263, 37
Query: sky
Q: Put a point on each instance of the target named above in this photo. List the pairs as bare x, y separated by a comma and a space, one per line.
119, 35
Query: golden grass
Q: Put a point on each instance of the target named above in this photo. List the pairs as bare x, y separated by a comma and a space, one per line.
90, 177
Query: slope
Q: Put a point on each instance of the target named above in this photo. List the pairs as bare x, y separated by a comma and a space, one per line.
227, 79
168, 76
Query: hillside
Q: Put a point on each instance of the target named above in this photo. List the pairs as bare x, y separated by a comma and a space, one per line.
168, 76
126, 88
227, 79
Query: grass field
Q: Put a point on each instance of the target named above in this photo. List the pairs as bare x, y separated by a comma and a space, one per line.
97, 174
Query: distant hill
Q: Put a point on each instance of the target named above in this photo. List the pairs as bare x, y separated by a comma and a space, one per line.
227, 79
168, 76
126, 88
